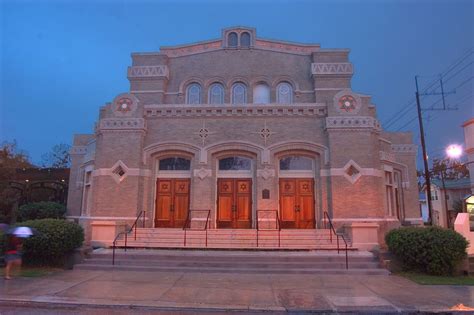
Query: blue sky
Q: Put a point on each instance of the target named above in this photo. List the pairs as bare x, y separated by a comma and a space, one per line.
62, 60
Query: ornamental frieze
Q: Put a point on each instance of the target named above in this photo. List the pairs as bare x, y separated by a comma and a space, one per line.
122, 124
404, 148
341, 68
230, 110
352, 123
148, 71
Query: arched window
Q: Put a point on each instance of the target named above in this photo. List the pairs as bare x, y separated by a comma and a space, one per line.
296, 163
235, 163
193, 94
239, 93
284, 93
232, 40
216, 94
261, 94
245, 40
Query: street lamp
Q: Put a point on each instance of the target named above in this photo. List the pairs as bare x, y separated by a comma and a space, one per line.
454, 151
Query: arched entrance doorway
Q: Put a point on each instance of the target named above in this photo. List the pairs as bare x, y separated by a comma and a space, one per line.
172, 192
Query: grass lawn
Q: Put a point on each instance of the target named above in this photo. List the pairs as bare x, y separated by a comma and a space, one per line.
433, 280
31, 272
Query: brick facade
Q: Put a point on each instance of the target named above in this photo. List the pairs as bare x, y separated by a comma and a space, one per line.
353, 158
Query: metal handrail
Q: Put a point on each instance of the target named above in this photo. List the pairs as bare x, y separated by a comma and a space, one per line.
277, 225
126, 234
188, 222
333, 230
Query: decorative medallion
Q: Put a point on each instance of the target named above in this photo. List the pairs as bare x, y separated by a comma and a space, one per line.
265, 133
347, 103
124, 104
203, 133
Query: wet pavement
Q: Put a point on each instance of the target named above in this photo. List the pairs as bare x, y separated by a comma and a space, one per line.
91, 292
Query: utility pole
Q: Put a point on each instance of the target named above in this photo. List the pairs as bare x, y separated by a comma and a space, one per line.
425, 157
423, 145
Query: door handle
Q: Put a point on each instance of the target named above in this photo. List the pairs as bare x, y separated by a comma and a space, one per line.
297, 208
234, 208
172, 208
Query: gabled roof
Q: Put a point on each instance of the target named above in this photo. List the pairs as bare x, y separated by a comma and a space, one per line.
463, 183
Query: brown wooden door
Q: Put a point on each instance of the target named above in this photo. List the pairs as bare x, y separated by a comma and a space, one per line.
172, 202
297, 203
234, 203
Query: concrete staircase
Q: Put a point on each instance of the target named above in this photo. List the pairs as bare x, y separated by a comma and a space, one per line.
234, 261
232, 239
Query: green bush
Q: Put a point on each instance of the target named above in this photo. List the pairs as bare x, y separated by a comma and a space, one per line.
52, 242
41, 210
430, 250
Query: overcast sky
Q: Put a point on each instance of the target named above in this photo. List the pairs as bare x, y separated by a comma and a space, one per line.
62, 60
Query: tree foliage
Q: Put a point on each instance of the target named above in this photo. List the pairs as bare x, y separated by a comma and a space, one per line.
11, 159
58, 157
450, 169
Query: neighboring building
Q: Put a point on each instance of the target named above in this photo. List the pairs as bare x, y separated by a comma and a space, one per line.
446, 198
240, 124
423, 207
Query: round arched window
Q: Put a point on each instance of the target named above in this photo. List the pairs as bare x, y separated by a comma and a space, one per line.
284, 93
245, 40
193, 94
174, 164
235, 163
232, 40
296, 163
239, 93
261, 94
216, 94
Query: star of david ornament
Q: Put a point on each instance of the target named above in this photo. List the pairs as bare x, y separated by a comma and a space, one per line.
347, 103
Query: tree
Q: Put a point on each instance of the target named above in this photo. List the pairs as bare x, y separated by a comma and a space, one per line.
449, 169
11, 159
59, 157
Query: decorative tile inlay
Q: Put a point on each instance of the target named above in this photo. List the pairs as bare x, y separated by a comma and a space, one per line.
404, 148
148, 71
352, 123
265, 133
266, 173
202, 173
203, 133
352, 171
387, 156
332, 68
230, 110
121, 123
78, 150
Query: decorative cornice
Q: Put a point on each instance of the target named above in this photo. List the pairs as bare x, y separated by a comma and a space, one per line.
352, 123
404, 148
122, 124
341, 68
226, 110
148, 72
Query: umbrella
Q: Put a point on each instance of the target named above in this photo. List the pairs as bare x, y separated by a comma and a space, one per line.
22, 231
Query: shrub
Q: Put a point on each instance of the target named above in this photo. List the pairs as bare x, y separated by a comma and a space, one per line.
431, 250
52, 242
41, 210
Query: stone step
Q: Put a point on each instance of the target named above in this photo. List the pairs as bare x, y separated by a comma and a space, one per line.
352, 271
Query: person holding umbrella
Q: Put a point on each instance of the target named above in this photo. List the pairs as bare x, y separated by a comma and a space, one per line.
14, 247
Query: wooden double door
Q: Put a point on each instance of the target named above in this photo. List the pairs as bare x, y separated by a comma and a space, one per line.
297, 203
234, 203
172, 202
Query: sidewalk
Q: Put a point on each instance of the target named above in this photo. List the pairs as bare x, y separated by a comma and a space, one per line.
230, 292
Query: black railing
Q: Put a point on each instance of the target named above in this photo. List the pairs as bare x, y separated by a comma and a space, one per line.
332, 231
277, 225
126, 232
187, 224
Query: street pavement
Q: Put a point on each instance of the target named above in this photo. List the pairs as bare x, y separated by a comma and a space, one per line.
138, 292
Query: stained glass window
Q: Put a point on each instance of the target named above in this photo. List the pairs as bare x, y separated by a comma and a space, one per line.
216, 94
296, 163
284, 93
175, 164
232, 40
261, 94
193, 94
245, 40
235, 163
239, 93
